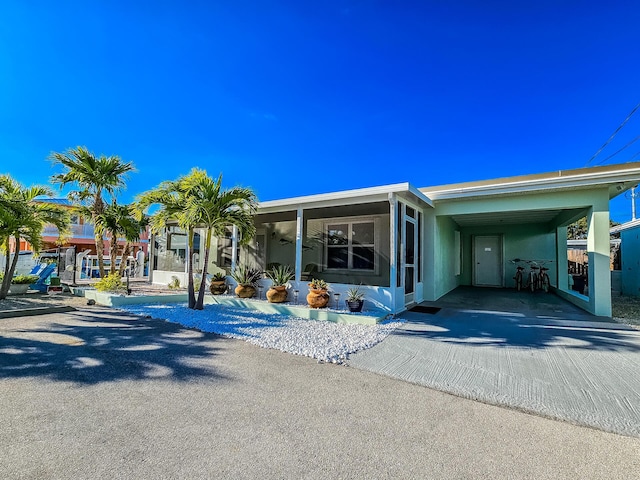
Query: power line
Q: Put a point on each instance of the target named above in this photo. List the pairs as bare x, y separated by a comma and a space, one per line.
613, 135
617, 152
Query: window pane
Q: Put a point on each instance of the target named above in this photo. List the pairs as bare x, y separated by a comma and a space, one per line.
410, 257
363, 258
408, 280
362, 234
338, 234
399, 244
419, 247
410, 212
338, 257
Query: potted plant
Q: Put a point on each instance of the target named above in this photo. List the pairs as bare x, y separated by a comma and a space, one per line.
318, 296
218, 284
280, 276
355, 299
247, 279
20, 283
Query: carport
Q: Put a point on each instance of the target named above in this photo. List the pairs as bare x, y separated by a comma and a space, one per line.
478, 228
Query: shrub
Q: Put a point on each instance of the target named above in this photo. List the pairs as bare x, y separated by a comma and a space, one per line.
24, 279
280, 275
174, 284
111, 283
317, 284
246, 276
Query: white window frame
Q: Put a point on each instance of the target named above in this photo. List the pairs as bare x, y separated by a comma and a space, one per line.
376, 244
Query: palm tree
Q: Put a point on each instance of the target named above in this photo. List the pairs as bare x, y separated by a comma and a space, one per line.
96, 178
119, 221
170, 196
22, 217
214, 209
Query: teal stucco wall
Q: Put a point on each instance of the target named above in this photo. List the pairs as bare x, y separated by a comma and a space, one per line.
528, 242
630, 273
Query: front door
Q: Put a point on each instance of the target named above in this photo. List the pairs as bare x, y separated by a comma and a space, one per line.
487, 251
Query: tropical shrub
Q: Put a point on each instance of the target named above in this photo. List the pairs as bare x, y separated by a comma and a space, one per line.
317, 284
280, 275
246, 276
111, 283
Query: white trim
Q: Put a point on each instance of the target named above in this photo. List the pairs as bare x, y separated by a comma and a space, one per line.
625, 226
344, 195
562, 179
299, 228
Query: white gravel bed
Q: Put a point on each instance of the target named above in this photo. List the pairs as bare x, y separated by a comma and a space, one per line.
325, 341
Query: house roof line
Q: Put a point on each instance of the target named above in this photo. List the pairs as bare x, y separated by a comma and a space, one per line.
405, 187
625, 226
628, 172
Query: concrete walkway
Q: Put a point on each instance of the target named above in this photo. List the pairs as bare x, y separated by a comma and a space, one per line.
506, 348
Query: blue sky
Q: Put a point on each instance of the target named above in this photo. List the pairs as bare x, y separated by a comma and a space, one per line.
294, 98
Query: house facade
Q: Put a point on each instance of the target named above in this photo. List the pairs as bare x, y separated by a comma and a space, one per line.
406, 245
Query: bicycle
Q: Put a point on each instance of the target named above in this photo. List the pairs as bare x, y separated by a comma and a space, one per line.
535, 280
519, 278
543, 278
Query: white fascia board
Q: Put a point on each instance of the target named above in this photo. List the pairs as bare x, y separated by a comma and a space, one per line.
529, 186
625, 226
342, 198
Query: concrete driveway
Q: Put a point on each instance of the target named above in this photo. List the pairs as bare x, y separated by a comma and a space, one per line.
536, 353
98, 394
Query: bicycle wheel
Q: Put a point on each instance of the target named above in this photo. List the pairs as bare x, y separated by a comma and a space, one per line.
518, 279
544, 281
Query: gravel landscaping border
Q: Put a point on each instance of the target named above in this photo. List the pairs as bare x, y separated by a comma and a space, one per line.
322, 340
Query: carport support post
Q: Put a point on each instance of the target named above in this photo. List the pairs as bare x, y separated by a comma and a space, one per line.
393, 244
299, 225
598, 251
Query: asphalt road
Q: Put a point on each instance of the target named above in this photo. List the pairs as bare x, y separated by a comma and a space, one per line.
97, 394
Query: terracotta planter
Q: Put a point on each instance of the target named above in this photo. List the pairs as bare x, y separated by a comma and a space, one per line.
317, 298
245, 291
218, 287
277, 294
355, 306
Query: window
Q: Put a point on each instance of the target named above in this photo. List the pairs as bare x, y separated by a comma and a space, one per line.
351, 245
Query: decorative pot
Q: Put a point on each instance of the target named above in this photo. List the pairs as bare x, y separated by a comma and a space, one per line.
277, 294
355, 305
245, 291
317, 298
18, 288
218, 287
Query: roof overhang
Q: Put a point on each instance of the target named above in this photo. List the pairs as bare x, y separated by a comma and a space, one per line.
618, 178
346, 197
625, 226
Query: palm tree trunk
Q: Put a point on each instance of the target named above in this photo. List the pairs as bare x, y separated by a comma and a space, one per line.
6, 281
190, 287
113, 252
125, 256
200, 302
98, 208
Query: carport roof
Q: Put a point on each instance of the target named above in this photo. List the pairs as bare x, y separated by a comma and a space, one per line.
619, 177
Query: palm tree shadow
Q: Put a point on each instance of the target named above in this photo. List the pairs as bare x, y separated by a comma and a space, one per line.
106, 346
515, 330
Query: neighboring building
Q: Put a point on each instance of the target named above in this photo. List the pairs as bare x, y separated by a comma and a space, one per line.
79, 247
82, 235
407, 245
630, 257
